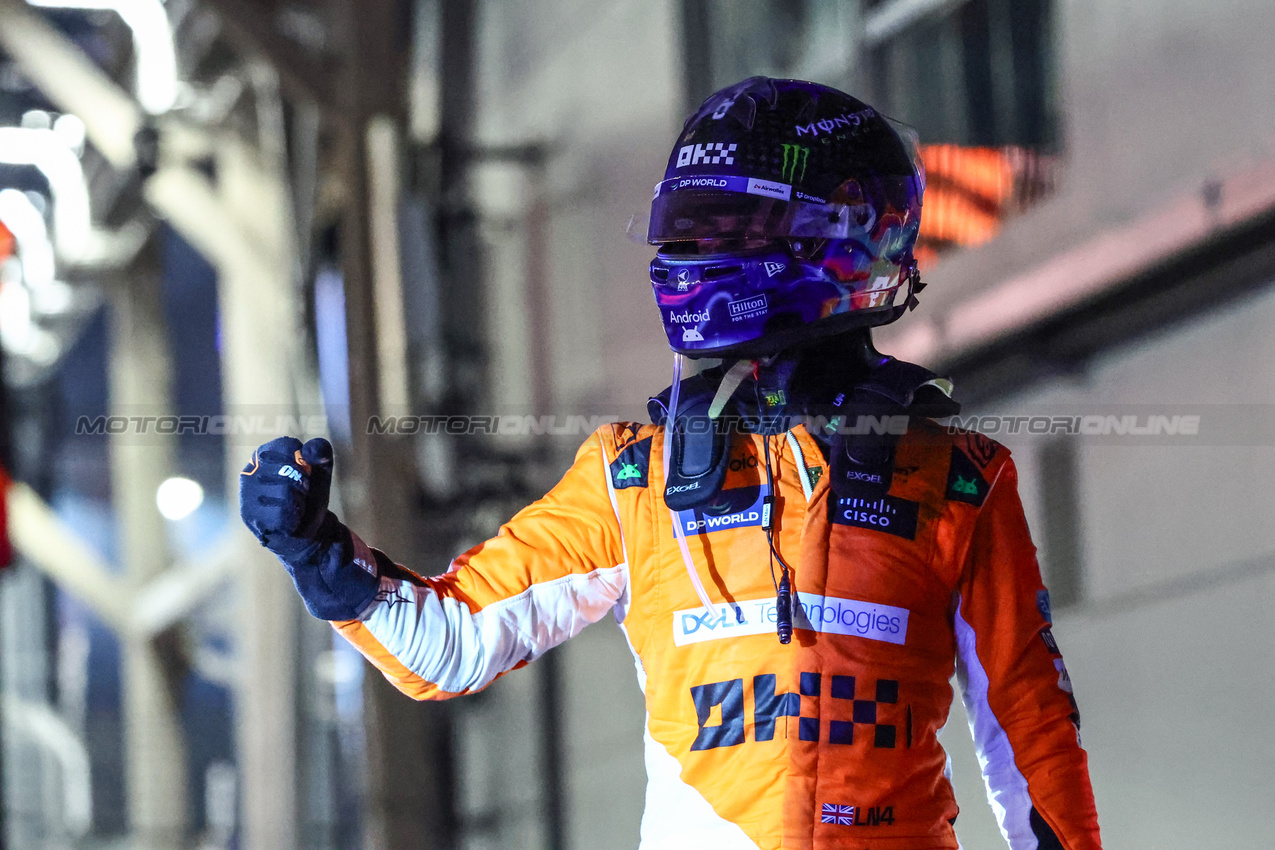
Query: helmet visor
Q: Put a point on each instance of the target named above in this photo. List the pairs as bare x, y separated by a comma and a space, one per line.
730, 207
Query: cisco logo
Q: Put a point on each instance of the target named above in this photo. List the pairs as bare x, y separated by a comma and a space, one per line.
889, 514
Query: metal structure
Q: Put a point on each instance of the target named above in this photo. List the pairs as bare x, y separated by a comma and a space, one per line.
242, 222
314, 169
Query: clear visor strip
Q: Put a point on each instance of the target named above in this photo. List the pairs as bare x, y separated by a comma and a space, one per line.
727, 387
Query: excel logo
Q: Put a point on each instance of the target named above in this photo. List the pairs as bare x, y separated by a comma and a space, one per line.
857, 717
794, 166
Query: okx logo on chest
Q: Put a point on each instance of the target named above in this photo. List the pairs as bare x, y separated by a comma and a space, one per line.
860, 714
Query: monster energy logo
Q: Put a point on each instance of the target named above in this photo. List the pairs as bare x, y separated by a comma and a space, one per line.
795, 158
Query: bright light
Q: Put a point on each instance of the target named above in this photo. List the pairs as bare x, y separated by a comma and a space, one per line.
18, 333
72, 132
177, 498
155, 59
36, 119
20, 214
45, 150
27, 226
24, 220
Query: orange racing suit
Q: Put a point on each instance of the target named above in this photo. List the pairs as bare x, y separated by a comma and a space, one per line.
831, 740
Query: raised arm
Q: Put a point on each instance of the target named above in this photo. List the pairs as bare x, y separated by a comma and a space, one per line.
557, 566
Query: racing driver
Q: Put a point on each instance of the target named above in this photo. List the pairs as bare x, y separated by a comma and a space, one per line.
799, 557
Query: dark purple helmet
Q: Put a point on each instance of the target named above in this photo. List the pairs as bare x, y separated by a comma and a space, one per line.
787, 212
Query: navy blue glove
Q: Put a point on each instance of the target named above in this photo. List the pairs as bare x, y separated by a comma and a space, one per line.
283, 499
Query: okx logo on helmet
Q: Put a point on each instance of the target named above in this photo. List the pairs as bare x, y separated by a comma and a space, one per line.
787, 212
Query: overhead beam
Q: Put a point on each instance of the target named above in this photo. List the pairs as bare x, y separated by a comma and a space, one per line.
302, 74
40, 536
43, 539
178, 592
893, 17
66, 76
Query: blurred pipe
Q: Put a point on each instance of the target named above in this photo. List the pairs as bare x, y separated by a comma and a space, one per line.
154, 57
384, 178
891, 18
47, 151
178, 592
26, 224
697, 54
1063, 531
35, 252
41, 537
549, 697
139, 377
45, 728
65, 75
540, 336
253, 30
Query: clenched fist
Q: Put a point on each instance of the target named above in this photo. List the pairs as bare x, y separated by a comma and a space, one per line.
283, 499
283, 492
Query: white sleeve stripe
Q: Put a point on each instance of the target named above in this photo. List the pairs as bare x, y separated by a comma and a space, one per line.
1006, 786
622, 604
440, 640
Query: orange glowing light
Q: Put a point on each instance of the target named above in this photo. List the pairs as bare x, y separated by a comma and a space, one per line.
970, 191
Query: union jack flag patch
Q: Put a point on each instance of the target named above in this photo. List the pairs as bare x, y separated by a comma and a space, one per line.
832, 813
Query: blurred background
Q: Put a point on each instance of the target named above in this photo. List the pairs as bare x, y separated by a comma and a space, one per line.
222, 220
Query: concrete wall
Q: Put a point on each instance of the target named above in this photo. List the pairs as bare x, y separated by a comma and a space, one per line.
599, 85
1157, 99
1170, 649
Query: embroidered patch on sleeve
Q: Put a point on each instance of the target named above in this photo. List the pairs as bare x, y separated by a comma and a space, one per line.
965, 483
630, 468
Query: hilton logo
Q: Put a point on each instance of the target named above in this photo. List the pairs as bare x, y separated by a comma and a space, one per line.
746, 307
